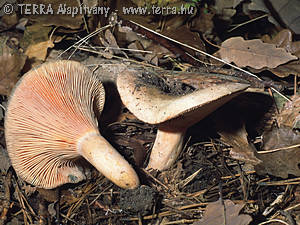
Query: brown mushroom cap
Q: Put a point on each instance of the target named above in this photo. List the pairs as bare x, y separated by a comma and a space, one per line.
151, 105
50, 123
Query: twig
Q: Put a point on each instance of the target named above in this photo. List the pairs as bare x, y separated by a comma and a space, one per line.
279, 149
274, 220
249, 21
282, 182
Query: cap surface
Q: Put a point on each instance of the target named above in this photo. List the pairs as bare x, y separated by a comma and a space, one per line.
151, 105
48, 111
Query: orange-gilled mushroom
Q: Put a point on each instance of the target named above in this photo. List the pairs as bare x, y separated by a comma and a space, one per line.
174, 114
50, 123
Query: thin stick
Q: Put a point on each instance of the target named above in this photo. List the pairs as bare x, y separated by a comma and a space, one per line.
2, 107
278, 149
114, 48
295, 84
249, 21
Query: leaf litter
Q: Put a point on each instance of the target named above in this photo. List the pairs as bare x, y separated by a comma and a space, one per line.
248, 164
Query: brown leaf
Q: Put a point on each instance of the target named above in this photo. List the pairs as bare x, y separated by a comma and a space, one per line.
284, 39
246, 110
253, 53
217, 213
112, 41
39, 50
184, 35
290, 113
286, 159
281, 145
35, 34
241, 148
11, 64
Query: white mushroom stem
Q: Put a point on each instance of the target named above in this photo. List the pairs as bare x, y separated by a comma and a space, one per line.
166, 148
94, 148
170, 134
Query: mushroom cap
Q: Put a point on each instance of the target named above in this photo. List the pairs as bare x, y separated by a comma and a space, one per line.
50, 108
152, 105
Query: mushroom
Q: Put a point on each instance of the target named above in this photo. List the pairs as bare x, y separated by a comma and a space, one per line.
174, 114
50, 123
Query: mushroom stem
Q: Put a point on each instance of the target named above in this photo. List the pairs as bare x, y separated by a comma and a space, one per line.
166, 148
94, 148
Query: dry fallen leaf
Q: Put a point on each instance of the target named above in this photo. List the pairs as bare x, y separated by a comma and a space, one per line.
111, 45
286, 159
224, 213
284, 39
11, 63
289, 115
281, 145
245, 111
241, 148
253, 53
39, 51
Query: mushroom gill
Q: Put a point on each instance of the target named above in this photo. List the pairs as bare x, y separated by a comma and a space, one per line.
50, 123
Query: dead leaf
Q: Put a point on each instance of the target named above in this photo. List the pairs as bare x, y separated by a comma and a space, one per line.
253, 53
39, 51
290, 114
226, 212
8, 21
241, 148
184, 35
284, 39
286, 159
245, 111
11, 63
35, 34
280, 156
112, 43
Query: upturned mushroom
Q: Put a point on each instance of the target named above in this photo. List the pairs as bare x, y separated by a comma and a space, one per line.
50, 123
174, 114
